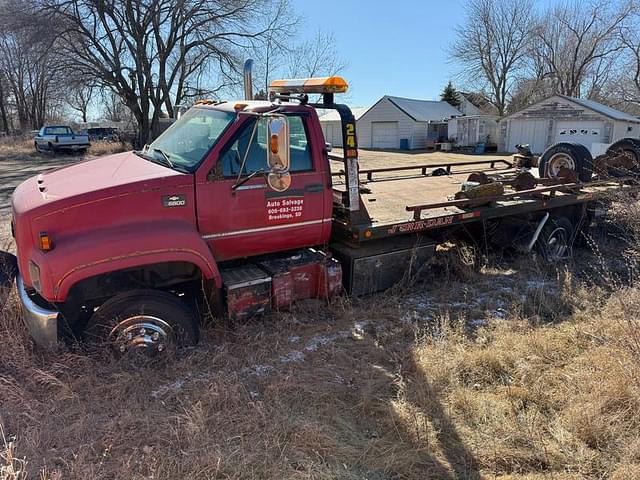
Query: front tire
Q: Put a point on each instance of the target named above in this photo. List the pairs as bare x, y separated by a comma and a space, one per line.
146, 321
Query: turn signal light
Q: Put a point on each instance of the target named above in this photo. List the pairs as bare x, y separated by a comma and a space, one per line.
45, 242
310, 85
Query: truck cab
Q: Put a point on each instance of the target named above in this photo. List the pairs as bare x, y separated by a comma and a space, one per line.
105, 248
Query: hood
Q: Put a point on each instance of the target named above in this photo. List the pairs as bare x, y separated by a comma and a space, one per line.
98, 174
99, 177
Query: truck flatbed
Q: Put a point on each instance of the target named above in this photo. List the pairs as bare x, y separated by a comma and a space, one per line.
409, 198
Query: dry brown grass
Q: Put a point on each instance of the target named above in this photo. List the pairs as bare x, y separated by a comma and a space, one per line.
395, 386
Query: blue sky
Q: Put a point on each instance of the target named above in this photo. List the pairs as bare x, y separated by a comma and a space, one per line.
392, 48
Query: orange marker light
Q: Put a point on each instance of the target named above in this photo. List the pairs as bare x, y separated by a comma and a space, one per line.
274, 144
45, 242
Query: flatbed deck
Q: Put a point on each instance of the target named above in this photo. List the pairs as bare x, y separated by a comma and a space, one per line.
409, 199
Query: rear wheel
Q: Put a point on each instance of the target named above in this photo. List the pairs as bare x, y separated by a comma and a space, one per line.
566, 156
556, 240
142, 321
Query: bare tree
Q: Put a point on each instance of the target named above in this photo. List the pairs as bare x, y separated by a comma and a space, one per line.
80, 96
626, 86
492, 44
580, 43
29, 65
317, 56
156, 53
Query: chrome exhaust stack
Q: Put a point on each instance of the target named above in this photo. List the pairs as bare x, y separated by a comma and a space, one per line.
248, 80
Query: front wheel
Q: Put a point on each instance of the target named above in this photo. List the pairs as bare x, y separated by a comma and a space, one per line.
142, 321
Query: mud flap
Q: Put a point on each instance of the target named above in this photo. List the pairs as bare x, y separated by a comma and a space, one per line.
8, 272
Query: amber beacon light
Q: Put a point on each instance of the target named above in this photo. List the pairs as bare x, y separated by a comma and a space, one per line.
310, 85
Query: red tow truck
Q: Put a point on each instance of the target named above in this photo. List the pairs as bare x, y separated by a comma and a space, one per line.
237, 203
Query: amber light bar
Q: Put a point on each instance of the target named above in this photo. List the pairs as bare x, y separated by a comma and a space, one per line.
310, 85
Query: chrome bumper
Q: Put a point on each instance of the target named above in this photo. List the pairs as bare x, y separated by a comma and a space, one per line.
42, 323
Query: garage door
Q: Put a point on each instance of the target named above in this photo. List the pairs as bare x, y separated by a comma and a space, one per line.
333, 134
384, 135
585, 133
532, 132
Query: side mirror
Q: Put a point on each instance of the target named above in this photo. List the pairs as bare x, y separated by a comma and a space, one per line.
328, 147
278, 148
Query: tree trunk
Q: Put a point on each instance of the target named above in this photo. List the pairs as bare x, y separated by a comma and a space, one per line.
3, 112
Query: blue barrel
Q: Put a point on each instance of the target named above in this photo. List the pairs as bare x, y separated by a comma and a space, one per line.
404, 144
479, 148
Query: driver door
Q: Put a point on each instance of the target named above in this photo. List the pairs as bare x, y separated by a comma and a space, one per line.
254, 218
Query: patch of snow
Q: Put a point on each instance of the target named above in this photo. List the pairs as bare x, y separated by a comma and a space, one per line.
538, 284
478, 322
259, 370
320, 341
292, 356
174, 387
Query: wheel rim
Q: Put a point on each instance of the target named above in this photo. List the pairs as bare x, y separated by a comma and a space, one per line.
143, 333
557, 245
558, 161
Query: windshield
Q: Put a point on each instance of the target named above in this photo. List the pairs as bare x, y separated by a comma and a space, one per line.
187, 142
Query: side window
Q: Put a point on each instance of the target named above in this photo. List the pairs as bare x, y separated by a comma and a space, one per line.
300, 146
234, 154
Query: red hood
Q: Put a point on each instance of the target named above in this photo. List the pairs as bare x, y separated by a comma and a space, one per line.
90, 176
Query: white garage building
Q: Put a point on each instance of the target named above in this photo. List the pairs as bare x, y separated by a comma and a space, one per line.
332, 126
395, 122
566, 119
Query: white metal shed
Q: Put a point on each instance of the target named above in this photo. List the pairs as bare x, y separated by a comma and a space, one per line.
566, 119
394, 119
473, 129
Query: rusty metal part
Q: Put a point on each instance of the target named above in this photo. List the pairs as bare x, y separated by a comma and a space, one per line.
524, 181
622, 161
479, 177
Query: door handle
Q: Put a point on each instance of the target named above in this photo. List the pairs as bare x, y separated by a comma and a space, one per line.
313, 188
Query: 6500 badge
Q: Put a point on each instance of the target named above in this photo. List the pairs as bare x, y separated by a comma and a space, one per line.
179, 200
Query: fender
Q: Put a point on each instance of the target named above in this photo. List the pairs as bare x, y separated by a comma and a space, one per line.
119, 247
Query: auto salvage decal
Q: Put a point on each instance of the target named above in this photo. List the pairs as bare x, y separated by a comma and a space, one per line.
285, 209
421, 225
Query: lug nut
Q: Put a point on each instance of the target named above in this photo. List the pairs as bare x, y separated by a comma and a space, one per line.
156, 336
142, 331
123, 348
160, 347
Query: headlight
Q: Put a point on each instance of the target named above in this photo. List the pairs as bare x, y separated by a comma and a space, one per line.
34, 274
